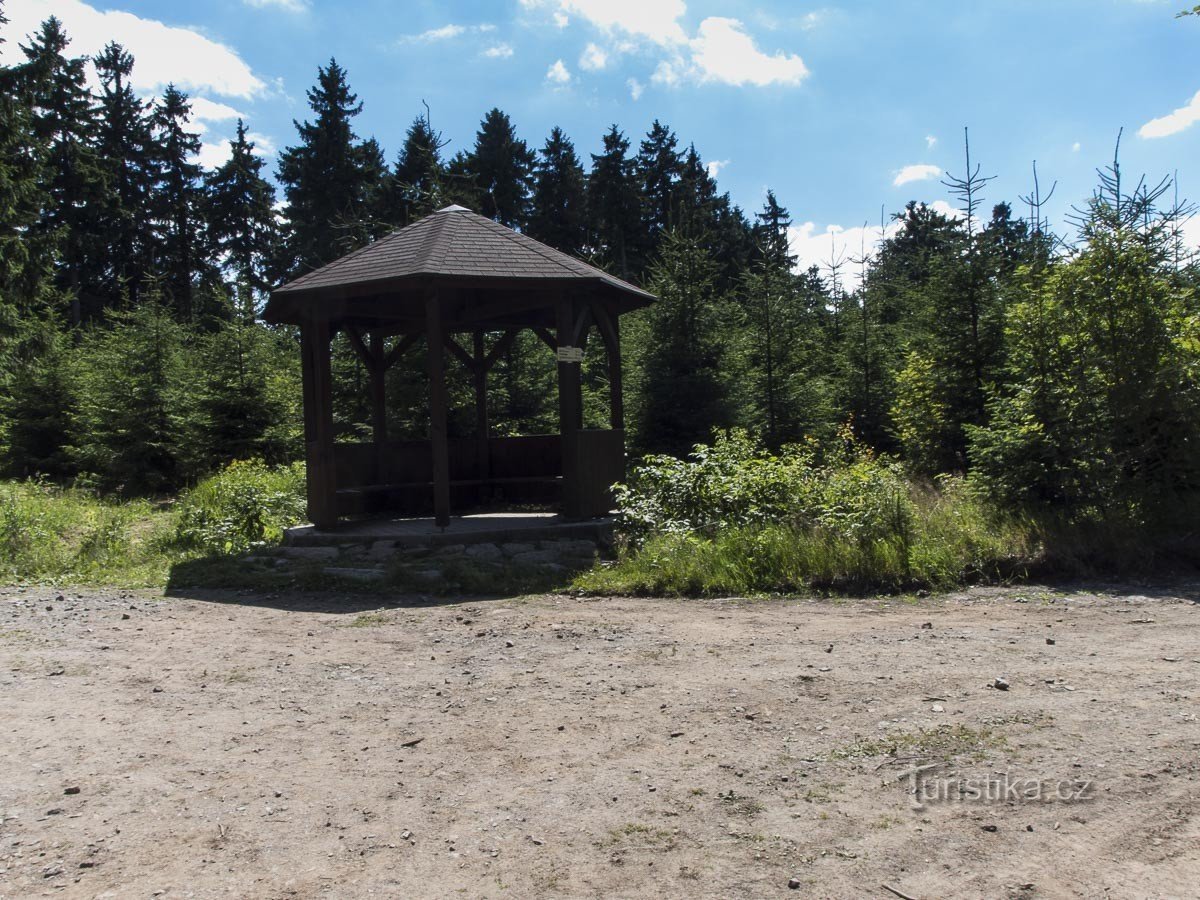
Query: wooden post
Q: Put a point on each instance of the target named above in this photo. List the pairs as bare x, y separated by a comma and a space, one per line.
481, 411
379, 405
616, 401
570, 417
320, 474
434, 336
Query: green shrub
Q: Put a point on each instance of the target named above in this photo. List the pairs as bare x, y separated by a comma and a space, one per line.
246, 504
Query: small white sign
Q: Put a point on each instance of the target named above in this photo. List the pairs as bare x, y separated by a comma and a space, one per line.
570, 354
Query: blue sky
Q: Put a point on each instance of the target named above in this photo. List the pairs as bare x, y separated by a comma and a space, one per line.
838, 107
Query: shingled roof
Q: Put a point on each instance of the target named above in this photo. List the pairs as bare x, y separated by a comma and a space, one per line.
454, 245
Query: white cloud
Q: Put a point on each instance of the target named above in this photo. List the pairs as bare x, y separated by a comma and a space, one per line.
292, 6
445, 33
593, 59
205, 111
263, 145
558, 73
950, 212
499, 51
930, 141
657, 20
1174, 122
216, 153
916, 172
721, 51
668, 72
812, 247
724, 52
636, 89
211, 156
1075, 147
716, 166
162, 53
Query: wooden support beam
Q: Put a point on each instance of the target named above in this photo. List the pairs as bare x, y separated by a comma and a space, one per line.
360, 348
500, 349
435, 343
463, 356
547, 337
581, 325
320, 474
569, 412
402, 346
610, 331
481, 410
616, 402
379, 404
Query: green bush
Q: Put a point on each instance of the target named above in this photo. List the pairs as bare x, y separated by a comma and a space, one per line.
246, 504
734, 519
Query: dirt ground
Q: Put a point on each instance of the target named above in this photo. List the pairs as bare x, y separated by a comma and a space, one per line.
319, 746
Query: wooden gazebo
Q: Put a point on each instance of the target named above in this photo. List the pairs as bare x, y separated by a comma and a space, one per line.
456, 273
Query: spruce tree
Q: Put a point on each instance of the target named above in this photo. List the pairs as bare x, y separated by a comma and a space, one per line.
771, 315
21, 202
327, 179
614, 206
659, 167
248, 398
64, 121
38, 409
500, 166
134, 399
416, 187
559, 214
125, 147
239, 216
179, 253
681, 393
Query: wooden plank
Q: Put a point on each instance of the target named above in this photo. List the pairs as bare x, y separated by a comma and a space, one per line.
318, 423
437, 409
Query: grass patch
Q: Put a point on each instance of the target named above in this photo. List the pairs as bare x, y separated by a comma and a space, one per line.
62, 536
367, 620
945, 741
646, 836
56, 535
940, 551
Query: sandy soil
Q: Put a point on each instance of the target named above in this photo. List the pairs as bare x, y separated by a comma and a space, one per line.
251, 746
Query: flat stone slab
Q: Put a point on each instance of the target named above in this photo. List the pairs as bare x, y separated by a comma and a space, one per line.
482, 528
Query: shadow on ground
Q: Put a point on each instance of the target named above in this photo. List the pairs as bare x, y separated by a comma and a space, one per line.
249, 581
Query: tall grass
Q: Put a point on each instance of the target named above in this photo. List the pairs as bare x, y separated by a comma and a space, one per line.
74, 536
62, 535
951, 540
735, 519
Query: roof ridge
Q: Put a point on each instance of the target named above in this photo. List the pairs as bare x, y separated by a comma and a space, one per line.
432, 241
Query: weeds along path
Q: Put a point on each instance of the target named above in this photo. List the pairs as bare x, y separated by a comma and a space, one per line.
241, 744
